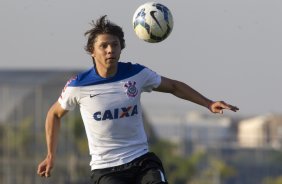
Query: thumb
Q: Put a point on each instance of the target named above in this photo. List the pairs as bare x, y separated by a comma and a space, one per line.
48, 171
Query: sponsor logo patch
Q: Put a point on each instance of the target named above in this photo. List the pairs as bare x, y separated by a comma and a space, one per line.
116, 113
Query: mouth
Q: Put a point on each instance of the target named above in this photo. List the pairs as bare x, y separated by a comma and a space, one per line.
111, 60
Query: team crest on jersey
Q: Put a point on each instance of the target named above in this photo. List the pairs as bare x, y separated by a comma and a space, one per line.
131, 89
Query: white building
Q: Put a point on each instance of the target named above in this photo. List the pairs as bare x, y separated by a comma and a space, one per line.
195, 127
261, 131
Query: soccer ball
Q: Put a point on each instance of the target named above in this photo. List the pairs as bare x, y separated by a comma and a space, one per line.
152, 22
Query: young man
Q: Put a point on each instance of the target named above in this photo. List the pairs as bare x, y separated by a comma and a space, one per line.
108, 95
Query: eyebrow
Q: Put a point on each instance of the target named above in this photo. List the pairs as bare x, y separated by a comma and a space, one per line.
109, 42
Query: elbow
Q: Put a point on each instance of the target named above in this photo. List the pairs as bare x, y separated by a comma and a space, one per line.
53, 115
55, 112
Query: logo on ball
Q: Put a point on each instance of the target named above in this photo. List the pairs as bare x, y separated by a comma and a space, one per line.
152, 22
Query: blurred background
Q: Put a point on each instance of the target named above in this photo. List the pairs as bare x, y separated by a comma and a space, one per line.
227, 50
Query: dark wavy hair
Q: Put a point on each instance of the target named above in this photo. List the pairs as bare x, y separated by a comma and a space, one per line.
103, 26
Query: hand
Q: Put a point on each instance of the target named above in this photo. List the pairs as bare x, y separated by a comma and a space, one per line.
45, 167
219, 106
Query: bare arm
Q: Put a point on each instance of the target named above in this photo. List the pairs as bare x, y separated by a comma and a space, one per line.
184, 91
52, 127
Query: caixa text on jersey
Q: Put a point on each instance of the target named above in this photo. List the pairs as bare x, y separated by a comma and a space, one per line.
116, 113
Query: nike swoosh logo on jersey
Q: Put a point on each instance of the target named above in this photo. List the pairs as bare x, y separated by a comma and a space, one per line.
92, 96
154, 17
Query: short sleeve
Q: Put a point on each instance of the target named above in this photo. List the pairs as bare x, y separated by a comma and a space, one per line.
69, 97
152, 80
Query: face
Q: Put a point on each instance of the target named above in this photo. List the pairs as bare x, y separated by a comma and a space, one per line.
106, 52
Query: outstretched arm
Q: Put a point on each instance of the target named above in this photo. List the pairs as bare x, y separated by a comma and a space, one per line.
52, 127
184, 91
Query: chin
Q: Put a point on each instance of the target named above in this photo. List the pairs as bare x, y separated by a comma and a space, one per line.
112, 62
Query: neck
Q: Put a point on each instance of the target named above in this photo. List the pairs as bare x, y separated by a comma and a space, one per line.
106, 73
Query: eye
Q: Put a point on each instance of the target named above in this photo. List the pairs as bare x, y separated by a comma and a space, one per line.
104, 45
115, 44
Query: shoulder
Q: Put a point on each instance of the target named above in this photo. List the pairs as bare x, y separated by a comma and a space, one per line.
130, 67
83, 78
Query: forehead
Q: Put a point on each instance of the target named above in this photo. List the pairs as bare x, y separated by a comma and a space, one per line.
106, 38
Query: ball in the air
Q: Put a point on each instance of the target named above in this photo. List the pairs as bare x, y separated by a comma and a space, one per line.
152, 22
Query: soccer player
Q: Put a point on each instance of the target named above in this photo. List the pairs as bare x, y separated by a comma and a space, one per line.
108, 95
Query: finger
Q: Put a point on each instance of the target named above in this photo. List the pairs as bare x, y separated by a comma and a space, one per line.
233, 108
47, 173
229, 107
42, 174
218, 109
224, 105
40, 170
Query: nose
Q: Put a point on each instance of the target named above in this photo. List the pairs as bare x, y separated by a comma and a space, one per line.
110, 49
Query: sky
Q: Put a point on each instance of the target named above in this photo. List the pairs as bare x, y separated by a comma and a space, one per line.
226, 49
